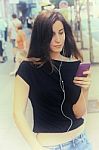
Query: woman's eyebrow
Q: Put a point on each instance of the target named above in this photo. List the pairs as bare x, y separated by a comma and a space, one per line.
61, 29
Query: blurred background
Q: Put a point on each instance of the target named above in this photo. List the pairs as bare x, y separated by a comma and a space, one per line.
83, 16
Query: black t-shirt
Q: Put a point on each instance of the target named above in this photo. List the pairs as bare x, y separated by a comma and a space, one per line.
46, 95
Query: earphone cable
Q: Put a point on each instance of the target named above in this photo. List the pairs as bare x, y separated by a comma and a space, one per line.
63, 90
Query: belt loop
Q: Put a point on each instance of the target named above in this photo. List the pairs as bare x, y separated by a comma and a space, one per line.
60, 146
73, 142
83, 137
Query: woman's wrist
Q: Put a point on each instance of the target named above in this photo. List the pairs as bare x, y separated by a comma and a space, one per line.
85, 90
35, 144
85, 93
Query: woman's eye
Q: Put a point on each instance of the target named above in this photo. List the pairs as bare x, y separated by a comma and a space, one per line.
61, 33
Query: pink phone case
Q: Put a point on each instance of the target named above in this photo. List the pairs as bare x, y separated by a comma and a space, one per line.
81, 68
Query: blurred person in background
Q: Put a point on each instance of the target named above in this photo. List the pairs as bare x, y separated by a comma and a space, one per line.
20, 48
3, 38
12, 32
29, 22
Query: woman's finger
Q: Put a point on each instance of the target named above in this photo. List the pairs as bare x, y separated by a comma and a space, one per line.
83, 86
84, 79
88, 73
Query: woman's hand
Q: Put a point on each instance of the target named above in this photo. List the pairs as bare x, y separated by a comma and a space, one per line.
83, 82
39, 147
36, 146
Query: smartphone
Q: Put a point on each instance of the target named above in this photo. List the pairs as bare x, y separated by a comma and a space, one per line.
81, 68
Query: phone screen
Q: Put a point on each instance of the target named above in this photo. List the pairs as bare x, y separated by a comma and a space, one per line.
81, 68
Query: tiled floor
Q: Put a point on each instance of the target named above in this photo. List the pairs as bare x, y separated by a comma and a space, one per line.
10, 137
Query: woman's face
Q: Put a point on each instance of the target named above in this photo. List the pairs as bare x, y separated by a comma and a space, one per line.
58, 37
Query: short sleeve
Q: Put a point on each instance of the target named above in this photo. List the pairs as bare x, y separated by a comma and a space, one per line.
24, 72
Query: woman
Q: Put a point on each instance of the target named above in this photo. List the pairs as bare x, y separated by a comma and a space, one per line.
48, 79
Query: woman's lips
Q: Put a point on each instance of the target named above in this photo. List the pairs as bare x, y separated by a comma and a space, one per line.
57, 45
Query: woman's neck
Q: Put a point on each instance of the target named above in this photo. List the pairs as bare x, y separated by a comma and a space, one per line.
58, 56
55, 55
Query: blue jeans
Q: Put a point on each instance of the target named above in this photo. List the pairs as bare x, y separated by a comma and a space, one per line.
79, 143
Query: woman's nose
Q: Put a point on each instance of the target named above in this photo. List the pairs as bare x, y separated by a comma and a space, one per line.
57, 38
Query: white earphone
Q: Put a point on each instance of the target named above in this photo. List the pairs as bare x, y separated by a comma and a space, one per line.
63, 90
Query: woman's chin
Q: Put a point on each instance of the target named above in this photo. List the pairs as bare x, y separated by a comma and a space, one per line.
57, 50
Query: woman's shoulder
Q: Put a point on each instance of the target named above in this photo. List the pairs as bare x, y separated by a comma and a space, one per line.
68, 59
24, 72
74, 59
25, 64
25, 68
28, 64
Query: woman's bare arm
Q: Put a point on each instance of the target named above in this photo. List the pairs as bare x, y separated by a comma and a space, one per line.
80, 107
21, 91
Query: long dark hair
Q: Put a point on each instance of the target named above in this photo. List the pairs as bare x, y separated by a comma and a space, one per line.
42, 34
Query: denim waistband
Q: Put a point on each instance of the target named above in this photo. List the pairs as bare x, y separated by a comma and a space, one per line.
79, 143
